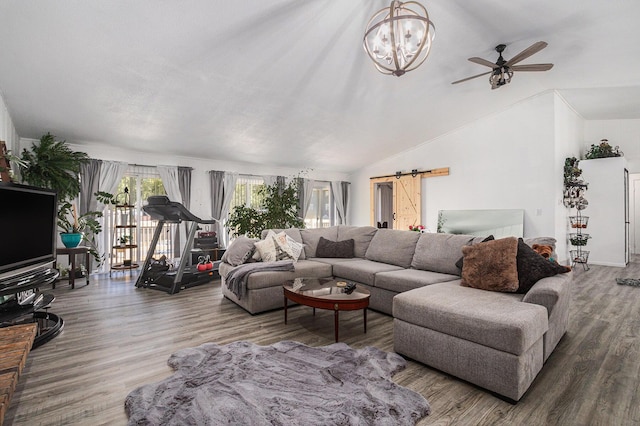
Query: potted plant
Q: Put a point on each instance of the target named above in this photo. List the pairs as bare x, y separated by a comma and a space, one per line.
52, 164
603, 150
279, 210
124, 239
82, 228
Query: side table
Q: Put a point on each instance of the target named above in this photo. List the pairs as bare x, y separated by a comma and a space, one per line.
72, 252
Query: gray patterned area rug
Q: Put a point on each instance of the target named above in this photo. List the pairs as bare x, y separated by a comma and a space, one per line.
287, 383
628, 281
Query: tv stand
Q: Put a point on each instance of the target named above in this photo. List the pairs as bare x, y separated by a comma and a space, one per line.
29, 306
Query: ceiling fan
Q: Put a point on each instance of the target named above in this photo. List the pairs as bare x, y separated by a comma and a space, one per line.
502, 70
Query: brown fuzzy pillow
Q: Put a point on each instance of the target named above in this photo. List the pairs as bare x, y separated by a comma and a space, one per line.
491, 265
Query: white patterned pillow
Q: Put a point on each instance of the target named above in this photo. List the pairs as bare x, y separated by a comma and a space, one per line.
284, 247
278, 247
267, 250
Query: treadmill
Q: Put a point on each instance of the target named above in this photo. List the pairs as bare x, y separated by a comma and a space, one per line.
155, 273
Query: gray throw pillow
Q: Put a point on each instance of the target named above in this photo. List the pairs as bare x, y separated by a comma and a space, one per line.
335, 249
240, 250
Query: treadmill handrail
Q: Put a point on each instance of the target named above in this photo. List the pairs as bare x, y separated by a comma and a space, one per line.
161, 208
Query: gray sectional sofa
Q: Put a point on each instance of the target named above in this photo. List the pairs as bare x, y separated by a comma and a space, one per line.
498, 341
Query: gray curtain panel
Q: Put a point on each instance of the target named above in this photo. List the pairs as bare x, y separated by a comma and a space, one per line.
89, 181
222, 188
184, 181
305, 191
340, 191
281, 183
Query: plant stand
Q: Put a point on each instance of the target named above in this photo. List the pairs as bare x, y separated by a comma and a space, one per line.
579, 240
124, 247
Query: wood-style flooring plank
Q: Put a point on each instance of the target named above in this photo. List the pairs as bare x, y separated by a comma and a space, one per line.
117, 337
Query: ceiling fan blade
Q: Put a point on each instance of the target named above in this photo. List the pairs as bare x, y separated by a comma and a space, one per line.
471, 78
532, 67
484, 62
534, 48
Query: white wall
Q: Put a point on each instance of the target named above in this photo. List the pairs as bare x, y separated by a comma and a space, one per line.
508, 160
200, 195
7, 129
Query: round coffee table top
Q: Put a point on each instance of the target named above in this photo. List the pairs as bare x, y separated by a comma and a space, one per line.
324, 289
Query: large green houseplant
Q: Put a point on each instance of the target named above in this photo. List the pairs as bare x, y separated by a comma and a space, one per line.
278, 210
52, 164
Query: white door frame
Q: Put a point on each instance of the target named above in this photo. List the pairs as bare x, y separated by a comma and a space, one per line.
634, 214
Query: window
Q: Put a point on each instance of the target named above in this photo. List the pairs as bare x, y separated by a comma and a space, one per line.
321, 213
247, 192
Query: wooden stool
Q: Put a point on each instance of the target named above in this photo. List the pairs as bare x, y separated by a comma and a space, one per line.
72, 252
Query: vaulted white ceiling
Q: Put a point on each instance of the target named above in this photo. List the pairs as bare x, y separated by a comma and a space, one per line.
287, 82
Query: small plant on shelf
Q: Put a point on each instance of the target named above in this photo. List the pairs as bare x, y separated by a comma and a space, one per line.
603, 150
123, 240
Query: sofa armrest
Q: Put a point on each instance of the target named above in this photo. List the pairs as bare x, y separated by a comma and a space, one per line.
549, 291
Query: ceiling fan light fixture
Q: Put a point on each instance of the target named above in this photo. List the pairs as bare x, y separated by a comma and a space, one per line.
398, 39
500, 77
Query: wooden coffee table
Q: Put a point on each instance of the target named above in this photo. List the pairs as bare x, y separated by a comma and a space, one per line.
323, 293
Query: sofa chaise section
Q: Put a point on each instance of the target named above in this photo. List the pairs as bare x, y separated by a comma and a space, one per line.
264, 289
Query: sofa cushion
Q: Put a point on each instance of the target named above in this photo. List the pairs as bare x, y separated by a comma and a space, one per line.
497, 320
310, 238
439, 252
491, 265
294, 233
393, 247
334, 260
239, 251
303, 269
532, 267
408, 279
328, 248
361, 270
361, 236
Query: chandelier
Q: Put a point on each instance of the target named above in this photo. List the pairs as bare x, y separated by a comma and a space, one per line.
398, 38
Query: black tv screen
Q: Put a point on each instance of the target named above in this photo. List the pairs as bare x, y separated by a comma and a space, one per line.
27, 228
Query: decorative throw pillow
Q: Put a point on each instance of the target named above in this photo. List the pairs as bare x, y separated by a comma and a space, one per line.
240, 251
286, 247
491, 265
266, 249
295, 248
460, 261
532, 267
328, 248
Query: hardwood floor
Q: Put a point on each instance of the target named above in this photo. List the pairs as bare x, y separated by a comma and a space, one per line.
117, 337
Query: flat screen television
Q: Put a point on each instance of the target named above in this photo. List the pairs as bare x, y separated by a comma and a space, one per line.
28, 226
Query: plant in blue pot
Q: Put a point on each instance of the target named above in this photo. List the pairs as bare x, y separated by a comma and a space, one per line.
77, 229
